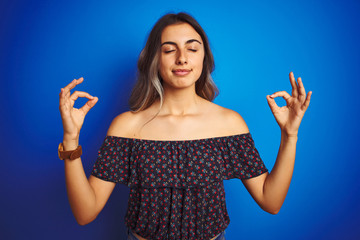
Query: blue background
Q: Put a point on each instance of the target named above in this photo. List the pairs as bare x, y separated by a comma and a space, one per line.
46, 44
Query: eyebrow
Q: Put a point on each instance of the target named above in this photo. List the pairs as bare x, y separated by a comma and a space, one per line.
187, 42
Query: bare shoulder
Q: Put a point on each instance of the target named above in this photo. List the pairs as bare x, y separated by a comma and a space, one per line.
123, 124
230, 119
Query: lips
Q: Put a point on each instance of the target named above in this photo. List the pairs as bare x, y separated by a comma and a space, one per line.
181, 72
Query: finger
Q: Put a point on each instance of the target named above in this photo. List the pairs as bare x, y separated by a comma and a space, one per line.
78, 94
294, 92
72, 85
272, 104
282, 94
307, 101
62, 98
65, 92
63, 107
67, 95
88, 105
302, 93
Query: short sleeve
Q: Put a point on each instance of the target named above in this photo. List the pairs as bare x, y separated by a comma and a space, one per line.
244, 160
113, 161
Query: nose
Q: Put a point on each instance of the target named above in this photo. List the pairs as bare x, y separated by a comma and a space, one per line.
181, 58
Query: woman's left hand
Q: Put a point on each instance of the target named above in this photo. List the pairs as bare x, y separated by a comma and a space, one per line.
289, 117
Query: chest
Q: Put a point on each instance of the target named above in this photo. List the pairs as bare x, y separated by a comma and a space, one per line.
181, 128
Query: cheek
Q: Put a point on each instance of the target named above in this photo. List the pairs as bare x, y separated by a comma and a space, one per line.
162, 64
200, 59
165, 62
200, 63
163, 68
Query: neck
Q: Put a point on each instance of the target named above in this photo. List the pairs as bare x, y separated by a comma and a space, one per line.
180, 102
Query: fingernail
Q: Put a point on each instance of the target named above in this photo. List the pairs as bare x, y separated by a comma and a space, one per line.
272, 95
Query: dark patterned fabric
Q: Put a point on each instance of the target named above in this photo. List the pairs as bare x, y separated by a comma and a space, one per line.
176, 187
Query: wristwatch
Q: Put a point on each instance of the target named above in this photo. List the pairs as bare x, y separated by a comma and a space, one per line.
74, 154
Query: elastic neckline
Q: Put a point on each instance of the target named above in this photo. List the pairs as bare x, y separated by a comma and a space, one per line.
181, 141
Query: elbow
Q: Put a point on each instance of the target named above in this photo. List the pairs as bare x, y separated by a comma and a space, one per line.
84, 214
272, 210
82, 221
271, 206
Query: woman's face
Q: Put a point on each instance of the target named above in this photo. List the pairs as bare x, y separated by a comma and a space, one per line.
182, 56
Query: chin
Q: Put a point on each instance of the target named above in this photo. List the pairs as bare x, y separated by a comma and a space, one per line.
181, 85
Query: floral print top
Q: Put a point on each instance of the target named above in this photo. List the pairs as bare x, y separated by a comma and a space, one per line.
176, 187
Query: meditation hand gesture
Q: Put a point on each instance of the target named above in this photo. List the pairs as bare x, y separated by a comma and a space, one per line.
289, 117
73, 118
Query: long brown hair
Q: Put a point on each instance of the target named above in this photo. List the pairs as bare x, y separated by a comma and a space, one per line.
148, 87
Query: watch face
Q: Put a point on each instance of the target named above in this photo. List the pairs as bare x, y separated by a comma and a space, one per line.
60, 148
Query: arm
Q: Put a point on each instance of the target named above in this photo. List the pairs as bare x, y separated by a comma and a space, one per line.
269, 190
87, 197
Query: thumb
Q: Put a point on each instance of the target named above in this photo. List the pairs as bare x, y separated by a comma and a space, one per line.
272, 104
88, 105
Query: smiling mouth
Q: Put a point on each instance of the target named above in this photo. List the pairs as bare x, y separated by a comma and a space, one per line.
181, 72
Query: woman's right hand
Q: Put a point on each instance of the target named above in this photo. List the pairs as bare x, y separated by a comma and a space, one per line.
73, 118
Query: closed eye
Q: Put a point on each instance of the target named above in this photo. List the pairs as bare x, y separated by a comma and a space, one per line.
169, 51
193, 50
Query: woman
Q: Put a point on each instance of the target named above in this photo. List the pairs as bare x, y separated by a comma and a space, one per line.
175, 147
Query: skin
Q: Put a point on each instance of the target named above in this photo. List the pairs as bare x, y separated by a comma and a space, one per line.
183, 116
185, 52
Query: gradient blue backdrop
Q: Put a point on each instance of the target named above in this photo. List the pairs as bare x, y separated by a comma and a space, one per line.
46, 44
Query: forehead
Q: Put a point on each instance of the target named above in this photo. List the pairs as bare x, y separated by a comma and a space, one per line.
179, 33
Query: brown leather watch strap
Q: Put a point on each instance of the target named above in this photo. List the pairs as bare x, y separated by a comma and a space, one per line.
74, 154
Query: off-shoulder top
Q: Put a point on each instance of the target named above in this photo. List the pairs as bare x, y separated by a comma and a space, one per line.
176, 187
